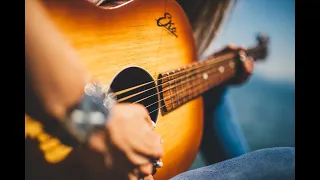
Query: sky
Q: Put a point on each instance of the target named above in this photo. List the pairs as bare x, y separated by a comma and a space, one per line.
273, 17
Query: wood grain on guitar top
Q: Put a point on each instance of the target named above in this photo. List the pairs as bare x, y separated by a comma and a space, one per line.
109, 40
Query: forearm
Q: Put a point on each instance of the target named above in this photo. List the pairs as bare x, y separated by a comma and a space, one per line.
56, 76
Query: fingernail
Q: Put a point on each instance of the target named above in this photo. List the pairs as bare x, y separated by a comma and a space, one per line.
161, 141
241, 52
243, 58
153, 124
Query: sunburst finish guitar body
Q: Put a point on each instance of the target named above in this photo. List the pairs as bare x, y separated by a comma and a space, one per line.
147, 42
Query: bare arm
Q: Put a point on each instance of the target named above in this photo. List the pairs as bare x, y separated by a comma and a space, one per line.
56, 79
55, 76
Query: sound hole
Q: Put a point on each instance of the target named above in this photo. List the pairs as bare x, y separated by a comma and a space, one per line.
146, 93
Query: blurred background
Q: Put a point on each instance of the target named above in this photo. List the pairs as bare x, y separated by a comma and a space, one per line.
266, 103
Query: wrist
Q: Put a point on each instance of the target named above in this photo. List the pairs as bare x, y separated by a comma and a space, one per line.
90, 114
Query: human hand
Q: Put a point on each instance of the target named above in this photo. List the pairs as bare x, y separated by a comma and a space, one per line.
129, 143
150, 177
247, 65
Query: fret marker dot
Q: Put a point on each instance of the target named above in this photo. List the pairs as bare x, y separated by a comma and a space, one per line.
221, 69
205, 76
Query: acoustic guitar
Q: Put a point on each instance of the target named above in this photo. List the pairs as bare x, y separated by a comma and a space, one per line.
143, 51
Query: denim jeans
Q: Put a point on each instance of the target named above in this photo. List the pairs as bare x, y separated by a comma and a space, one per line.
223, 137
265, 164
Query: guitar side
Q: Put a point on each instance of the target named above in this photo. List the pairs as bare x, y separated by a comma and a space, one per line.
151, 34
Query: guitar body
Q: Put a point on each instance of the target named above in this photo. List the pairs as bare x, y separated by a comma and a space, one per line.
110, 40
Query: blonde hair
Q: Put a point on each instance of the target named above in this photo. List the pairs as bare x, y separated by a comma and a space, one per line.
206, 17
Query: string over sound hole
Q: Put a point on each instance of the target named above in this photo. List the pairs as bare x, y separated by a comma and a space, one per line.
135, 85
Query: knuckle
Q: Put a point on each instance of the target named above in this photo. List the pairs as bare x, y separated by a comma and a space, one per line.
242, 48
136, 160
131, 159
142, 108
146, 169
138, 106
230, 46
139, 109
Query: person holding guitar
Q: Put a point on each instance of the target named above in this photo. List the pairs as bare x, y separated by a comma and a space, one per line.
120, 139
54, 92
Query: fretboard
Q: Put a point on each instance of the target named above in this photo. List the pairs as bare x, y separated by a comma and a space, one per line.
182, 85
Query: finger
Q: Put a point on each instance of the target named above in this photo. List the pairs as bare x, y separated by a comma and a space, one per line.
241, 48
153, 147
228, 48
248, 65
150, 122
150, 177
146, 169
143, 112
157, 147
132, 176
108, 161
148, 145
97, 142
231, 47
138, 159
141, 109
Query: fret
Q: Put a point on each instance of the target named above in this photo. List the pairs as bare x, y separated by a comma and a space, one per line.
173, 89
194, 81
202, 80
182, 89
189, 82
178, 78
213, 73
167, 94
171, 98
208, 77
181, 85
185, 84
198, 80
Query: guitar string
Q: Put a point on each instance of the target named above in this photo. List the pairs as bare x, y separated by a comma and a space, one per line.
203, 69
192, 86
187, 80
185, 69
175, 87
132, 88
171, 102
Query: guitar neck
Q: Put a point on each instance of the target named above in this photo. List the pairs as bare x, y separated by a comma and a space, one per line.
185, 84
182, 85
